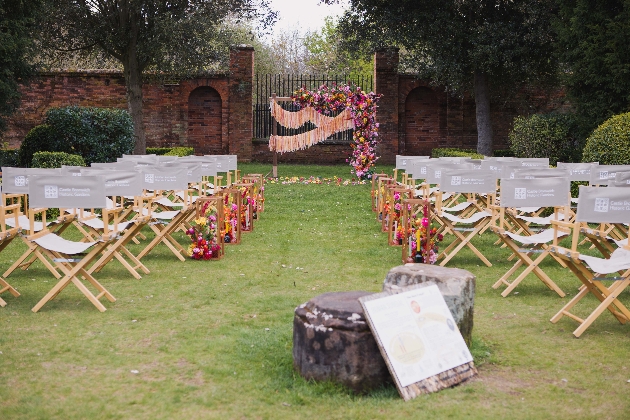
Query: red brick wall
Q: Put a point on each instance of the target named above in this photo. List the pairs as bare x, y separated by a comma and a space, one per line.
214, 113
225, 100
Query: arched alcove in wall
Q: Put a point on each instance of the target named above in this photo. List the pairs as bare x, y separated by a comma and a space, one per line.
422, 122
204, 121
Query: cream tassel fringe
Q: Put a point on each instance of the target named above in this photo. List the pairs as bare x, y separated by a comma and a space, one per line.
326, 127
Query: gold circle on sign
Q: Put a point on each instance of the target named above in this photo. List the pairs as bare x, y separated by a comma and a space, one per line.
407, 348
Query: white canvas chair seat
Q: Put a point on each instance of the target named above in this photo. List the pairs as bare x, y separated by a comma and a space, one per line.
468, 220
24, 223
98, 224
597, 205
530, 248
543, 221
542, 237
56, 243
619, 261
458, 207
163, 215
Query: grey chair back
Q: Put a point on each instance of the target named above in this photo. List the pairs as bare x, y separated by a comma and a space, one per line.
537, 192
66, 191
603, 205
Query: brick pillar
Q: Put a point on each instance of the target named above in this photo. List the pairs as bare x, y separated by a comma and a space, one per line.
241, 122
386, 84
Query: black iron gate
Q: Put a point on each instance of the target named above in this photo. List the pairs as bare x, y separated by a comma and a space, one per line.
285, 85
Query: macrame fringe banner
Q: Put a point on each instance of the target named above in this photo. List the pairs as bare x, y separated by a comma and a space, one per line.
326, 127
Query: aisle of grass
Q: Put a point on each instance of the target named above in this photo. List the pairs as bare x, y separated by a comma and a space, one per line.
213, 339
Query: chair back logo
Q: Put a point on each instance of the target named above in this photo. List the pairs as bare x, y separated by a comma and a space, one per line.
423, 170
520, 193
148, 178
603, 174
601, 205
438, 174
51, 191
456, 180
21, 181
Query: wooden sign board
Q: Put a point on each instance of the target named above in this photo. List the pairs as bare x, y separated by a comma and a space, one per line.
418, 338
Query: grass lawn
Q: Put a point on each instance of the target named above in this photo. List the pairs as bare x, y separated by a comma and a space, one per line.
212, 339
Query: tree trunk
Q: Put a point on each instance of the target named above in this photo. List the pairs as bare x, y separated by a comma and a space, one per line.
484, 120
133, 80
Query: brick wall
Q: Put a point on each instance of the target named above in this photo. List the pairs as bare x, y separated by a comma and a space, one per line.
214, 113
218, 106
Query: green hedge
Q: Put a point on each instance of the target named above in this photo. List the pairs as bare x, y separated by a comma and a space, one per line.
545, 136
180, 151
171, 151
160, 151
96, 134
609, 144
56, 160
453, 152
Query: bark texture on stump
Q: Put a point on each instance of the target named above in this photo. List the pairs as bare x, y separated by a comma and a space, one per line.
457, 287
332, 341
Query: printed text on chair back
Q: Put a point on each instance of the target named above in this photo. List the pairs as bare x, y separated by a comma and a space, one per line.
15, 180
462, 180
577, 171
603, 205
66, 191
538, 192
118, 183
160, 178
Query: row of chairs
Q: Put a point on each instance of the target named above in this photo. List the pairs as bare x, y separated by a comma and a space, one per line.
110, 204
508, 197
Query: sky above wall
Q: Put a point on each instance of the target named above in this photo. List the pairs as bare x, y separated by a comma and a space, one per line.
304, 15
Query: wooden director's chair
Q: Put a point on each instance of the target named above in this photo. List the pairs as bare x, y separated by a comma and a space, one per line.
471, 182
118, 185
538, 192
15, 182
596, 205
9, 210
71, 258
165, 223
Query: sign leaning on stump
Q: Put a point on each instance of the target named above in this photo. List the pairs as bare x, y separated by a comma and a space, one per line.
418, 338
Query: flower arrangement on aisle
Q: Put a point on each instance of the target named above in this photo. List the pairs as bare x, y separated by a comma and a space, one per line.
424, 239
205, 234
420, 239
232, 227
354, 109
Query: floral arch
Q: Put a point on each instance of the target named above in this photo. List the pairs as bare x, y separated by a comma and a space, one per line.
355, 110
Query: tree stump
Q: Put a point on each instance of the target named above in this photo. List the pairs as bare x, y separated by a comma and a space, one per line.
457, 287
332, 341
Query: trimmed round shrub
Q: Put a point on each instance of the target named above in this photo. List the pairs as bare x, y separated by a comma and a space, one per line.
55, 160
545, 136
609, 144
38, 139
96, 134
